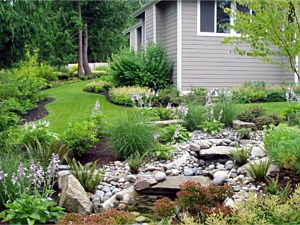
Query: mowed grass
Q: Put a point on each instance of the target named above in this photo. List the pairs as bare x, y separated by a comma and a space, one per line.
271, 107
72, 105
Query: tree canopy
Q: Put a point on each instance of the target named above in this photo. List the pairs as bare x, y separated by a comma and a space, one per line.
272, 28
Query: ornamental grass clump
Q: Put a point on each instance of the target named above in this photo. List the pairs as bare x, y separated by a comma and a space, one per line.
130, 133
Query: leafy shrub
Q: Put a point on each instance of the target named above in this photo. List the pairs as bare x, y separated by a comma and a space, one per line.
102, 68
240, 156
44, 151
122, 95
168, 95
258, 171
292, 115
135, 161
211, 126
250, 114
273, 188
88, 175
196, 115
164, 113
227, 109
111, 216
74, 70
7, 119
282, 144
29, 209
130, 133
275, 94
244, 133
98, 86
147, 69
196, 199
268, 119
165, 208
38, 132
174, 133
161, 151
81, 137
262, 210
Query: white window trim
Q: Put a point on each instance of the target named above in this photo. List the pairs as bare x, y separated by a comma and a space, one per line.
215, 34
154, 23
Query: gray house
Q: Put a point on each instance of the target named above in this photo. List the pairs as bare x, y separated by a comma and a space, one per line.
191, 33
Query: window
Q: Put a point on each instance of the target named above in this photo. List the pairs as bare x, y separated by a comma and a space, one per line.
212, 18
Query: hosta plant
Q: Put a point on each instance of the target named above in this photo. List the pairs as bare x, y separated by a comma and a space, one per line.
174, 133
211, 126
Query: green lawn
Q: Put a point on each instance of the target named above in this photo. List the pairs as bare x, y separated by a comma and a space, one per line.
274, 107
72, 104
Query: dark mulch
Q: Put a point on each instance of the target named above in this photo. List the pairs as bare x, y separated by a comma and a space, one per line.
285, 176
37, 113
99, 152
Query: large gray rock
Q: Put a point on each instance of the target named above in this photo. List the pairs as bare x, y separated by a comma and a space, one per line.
194, 147
205, 144
220, 177
73, 196
178, 162
143, 183
216, 142
216, 152
171, 185
238, 124
258, 151
160, 176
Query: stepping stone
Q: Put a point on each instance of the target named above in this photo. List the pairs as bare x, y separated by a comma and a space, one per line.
216, 152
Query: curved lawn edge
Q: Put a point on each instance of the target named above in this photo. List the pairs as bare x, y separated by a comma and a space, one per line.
75, 105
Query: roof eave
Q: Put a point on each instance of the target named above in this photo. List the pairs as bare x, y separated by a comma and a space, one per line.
141, 10
127, 31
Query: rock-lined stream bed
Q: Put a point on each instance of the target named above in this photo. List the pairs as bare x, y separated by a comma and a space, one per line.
205, 159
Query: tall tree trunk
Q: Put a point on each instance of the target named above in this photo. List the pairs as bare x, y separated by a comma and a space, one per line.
86, 66
80, 57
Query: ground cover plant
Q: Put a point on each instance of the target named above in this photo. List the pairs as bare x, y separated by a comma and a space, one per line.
98, 86
123, 95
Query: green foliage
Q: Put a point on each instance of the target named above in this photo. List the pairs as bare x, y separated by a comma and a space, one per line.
88, 175
229, 111
122, 95
240, 156
7, 118
29, 209
164, 113
292, 115
102, 68
98, 86
44, 151
135, 160
273, 30
268, 119
262, 210
174, 133
258, 171
150, 68
168, 95
196, 199
161, 151
282, 144
250, 114
130, 133
272, 188
211, 126
9, 162
38, 132
197, 115
244, 133
81, 137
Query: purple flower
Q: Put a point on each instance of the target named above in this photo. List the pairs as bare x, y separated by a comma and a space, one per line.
96, 108
21, 170
220, 115
183, 110
2, 175
36, 173
53, 166
14, 178
169, 106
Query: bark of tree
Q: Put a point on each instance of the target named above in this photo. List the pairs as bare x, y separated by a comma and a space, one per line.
86, 66
80, 56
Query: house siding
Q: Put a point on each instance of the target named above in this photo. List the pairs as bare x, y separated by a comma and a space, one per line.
166, 31
207, 63
133, 39
149, 25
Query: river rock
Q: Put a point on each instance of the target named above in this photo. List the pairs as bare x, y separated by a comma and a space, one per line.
216, 152
258, 152
194, 147
160, 176
143, 183
188, 172
171, 185
238, 124
220, 177
131, 178
73, 196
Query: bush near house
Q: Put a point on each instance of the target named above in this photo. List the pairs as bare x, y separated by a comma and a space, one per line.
147, 68
122, 95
